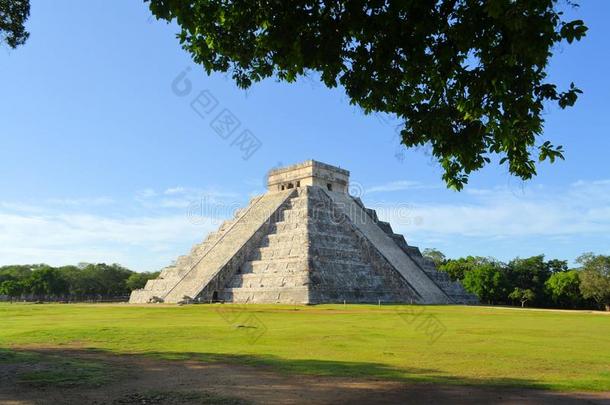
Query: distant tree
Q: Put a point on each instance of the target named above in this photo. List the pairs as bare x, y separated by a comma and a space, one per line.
595, 278
15, 272
81, 282
488, 282
107, 280
84, 281
466, 77
11, 288
46, 281
138, 280
522, 295
435, 255
564, 289
13, 15
557, 266
457, 268
532, 273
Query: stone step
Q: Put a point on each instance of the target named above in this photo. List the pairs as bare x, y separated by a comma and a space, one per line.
293, 264
295, 216
386, 227
200, 248
294, 236
414, 252
300, 235
400, 241
453, 289
297, 202
343, 262
161, 284
326, 227
141, 296
282, 226
239, 212
372, 213
182, 261
292, 295
301, 243
265, 253
347, 280
336, 252
168, 271
325, 239
225, 225
213, 237
173, 272
252, 280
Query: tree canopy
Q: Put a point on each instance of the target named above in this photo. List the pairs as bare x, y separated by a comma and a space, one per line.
488, 282
85, 281
564, 288
457, 268
435, 255
531, 274
595, 278
13, 14
521, 295
533, 281
467, 77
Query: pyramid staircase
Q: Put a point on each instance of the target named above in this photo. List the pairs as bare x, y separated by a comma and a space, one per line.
277, 270
304, 245
211, 262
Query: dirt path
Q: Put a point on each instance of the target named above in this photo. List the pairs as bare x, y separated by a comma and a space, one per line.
259, 385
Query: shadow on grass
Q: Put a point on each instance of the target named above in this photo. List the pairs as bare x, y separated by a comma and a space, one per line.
364, 370
259, 377
47, 368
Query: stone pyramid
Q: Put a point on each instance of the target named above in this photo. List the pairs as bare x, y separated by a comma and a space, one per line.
305, 241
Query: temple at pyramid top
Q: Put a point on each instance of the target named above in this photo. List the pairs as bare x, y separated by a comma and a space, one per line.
305, 241
309, 173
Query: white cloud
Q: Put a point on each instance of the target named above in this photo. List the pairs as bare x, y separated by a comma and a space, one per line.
20, 207
81, 201
588, 184
138, 242
175, 190
175, 203
146, 193
198, 193
145, 236
65, 230
581, 208
181, 198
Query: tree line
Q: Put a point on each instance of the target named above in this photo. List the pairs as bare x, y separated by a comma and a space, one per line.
532, 281
82, 282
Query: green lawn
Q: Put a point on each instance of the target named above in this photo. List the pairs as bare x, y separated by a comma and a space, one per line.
448, 344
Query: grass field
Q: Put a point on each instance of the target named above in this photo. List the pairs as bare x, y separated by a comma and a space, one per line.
557, 350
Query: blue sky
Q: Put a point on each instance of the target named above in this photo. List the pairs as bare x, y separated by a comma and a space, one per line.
100, 159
